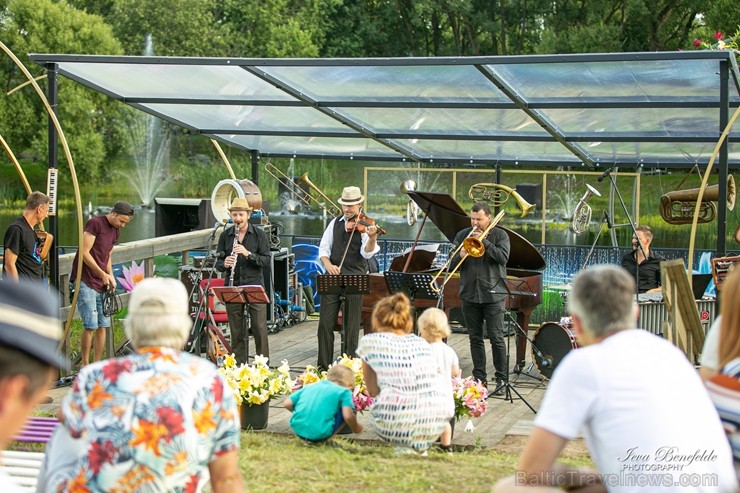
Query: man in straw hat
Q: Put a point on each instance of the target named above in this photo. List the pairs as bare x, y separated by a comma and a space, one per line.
245, 248
344, 251
29, 334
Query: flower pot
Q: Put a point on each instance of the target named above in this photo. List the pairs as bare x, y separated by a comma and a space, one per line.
254, 417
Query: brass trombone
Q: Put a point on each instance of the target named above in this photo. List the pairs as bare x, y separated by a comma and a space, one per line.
294, 188
497, 194
474, 247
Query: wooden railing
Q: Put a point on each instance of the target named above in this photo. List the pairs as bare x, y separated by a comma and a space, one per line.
144, 250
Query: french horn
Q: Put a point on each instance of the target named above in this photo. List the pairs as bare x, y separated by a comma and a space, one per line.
582, 212
412, 209
496, 195
677, 207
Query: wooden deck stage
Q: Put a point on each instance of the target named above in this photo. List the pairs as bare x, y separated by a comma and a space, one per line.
298, 345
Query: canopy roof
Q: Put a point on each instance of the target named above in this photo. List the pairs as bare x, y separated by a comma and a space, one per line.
625, 109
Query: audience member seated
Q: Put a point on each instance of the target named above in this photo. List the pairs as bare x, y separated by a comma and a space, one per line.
721, 362
635, 397
411, 408
151, 421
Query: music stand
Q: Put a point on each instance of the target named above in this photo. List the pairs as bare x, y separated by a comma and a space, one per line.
241, 294
342, 285
508, 388
415, 285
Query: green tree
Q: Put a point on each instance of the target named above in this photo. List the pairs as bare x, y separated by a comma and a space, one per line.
45, 26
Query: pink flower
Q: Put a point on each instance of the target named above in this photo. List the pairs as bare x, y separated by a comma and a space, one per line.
719, 35
132, 276
697, 42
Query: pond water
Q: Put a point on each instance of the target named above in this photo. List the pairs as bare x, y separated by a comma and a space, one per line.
143, 227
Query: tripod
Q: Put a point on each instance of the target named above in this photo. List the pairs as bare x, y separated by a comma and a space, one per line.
508, 388
518, 330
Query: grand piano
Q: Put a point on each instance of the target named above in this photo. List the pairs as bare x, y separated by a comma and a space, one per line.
524, 279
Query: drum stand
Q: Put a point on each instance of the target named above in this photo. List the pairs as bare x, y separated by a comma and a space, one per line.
518, 330
508, 388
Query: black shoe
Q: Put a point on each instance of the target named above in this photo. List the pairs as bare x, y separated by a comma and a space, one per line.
500, 387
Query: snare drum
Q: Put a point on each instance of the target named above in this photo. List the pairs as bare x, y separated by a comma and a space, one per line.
553, 340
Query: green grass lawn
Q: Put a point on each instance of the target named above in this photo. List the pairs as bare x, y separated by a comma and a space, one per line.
284, 463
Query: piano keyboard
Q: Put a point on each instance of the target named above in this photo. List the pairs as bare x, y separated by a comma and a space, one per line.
51, 190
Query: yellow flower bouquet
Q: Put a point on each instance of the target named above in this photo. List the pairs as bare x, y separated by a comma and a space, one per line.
256, 383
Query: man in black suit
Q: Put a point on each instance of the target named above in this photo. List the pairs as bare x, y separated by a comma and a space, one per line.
483, 293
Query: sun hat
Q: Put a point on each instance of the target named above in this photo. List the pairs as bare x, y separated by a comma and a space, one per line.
159, 296
240, 204
29, 321
351, 196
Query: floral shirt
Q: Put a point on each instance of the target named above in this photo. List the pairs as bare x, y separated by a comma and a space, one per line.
151, 422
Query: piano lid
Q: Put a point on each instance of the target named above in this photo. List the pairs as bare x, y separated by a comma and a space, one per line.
450, 218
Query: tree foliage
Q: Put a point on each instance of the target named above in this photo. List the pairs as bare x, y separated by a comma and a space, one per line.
44, 26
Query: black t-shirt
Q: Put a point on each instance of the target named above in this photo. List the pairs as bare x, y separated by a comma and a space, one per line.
649, 270
21, 239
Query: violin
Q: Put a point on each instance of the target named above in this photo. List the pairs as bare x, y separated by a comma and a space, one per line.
360, 222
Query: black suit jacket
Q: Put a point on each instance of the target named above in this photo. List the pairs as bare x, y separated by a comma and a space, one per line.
479, 276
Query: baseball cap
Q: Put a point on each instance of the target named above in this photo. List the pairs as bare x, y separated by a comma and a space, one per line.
159, 296
29, 321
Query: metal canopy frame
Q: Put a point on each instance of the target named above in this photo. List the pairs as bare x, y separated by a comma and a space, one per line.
658, 109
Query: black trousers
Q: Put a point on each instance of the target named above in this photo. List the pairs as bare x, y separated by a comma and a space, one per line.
240, 334
328, 312
493, 315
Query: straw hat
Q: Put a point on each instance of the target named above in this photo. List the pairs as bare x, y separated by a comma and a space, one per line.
351, 196
240, 204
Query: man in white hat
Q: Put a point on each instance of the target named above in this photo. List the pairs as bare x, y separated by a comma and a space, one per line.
29, 334
345, 251
245, 248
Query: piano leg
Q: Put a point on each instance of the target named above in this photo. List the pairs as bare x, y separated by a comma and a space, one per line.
522, 318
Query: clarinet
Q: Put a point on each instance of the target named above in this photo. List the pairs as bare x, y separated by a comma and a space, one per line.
236, 257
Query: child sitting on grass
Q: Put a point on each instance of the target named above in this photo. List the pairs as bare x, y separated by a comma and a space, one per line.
322, 408
433, 328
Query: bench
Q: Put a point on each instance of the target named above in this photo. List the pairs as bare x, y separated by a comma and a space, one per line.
37, 430
24, 466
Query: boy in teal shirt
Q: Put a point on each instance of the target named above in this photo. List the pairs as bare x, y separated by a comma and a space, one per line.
320, 409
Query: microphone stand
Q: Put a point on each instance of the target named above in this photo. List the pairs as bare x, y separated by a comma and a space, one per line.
613, 182
507, 385
604, 219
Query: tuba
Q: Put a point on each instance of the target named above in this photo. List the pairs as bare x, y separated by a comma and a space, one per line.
677, 207
412, 210
496, 195
582, 212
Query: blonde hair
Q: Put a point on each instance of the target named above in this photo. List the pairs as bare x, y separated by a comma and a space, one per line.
729, 326
433, 324
393, 313
341, 375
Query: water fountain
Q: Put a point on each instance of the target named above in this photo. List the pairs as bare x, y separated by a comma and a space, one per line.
149, 141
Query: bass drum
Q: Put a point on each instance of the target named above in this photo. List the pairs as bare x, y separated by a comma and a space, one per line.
553, 340
227, 190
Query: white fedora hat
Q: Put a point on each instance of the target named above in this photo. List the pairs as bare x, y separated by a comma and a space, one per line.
351, 196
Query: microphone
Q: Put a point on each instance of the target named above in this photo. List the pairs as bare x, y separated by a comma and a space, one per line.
546, 362
608, 219
604, 175
215, 228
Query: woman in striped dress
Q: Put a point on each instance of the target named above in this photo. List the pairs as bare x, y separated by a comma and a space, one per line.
410, 409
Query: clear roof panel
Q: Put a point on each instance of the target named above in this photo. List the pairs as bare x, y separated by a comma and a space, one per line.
245, 118
175, 81
659, 109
